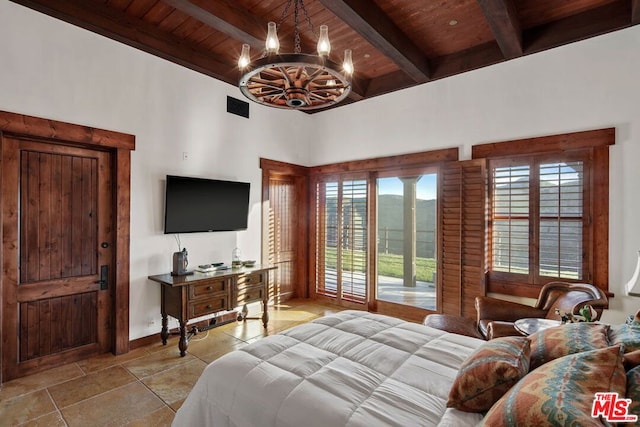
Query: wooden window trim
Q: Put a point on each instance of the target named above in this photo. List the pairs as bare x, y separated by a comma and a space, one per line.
546, 144
383, 163
596, 144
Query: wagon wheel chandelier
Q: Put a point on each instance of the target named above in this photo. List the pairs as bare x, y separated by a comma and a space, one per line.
295, 81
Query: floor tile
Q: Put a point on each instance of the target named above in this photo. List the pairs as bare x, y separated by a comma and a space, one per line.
215, 341
156, 362
26, 407
82, 388
160, 418
172, 342
219, 352
253, 329
106, 360
174, 384
39, 381
53, 419
118, 407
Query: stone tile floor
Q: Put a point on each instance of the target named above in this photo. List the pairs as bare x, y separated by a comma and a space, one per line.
141, 388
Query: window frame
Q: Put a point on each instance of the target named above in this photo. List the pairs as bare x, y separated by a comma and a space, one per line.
593, 147
534, 216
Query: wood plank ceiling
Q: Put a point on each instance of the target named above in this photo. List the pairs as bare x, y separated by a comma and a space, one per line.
396, 43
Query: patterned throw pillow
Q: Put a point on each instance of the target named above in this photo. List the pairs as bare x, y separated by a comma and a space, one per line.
631, 359
629, 335
561, 392
633, 391
570, 338
488, 373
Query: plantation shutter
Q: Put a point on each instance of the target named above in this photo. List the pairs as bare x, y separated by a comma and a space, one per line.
282, 227
341, 239
326, 239
463, 250
353, 240
561, 220
511, 188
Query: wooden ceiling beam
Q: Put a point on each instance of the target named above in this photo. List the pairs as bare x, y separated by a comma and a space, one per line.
594, 22
227, 18
111, 23
635, 12
388, 83
470, 59
505, 25
368, 20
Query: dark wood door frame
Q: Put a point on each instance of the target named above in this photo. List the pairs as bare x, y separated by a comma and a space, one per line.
120, 145
300, 174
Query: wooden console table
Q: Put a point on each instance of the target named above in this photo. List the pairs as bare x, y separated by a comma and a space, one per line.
200, 294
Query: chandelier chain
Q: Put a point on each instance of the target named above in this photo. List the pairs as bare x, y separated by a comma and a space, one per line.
306, 14
297, 4
296, 31
285, 11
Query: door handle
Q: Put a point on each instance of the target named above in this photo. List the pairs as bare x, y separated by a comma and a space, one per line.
104, 278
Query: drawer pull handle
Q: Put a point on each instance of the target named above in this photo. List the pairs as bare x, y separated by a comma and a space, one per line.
209, 306
209, 288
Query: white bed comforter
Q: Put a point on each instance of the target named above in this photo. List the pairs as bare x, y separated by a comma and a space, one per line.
349, 369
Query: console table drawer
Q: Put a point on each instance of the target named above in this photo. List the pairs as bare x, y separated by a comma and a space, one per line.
204, 290
207, 306
251, 279
250, 294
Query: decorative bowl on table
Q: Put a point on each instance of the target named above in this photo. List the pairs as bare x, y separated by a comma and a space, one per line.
250, 263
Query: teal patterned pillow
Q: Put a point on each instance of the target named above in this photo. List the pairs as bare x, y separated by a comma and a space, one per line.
559, 341
561, 392
633, 391
629, 335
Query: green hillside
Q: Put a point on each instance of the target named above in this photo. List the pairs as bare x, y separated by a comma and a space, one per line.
390, 225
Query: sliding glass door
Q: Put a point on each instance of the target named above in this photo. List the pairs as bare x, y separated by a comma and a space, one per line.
407, 239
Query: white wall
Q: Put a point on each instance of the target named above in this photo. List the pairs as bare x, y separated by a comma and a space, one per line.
57, 71
587, 85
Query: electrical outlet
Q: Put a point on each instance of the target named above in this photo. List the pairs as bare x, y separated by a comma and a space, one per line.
151, 322
185, 155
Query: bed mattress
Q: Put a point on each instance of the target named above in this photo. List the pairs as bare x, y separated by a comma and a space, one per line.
349, 369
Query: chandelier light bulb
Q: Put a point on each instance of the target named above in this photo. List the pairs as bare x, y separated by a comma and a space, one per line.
272, 44
347, 64
245, 58
324, 46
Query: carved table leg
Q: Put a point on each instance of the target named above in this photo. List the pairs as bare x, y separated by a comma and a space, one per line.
245, 312
265, 314
183, 343
164, 333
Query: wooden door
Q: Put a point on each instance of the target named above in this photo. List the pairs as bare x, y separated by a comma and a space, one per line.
56, 254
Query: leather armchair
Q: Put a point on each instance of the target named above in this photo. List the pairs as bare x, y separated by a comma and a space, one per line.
495, 317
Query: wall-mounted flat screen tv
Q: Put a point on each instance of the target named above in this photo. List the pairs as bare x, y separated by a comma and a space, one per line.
195, 205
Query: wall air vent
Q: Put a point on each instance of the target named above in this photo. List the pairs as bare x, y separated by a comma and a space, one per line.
237, 107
